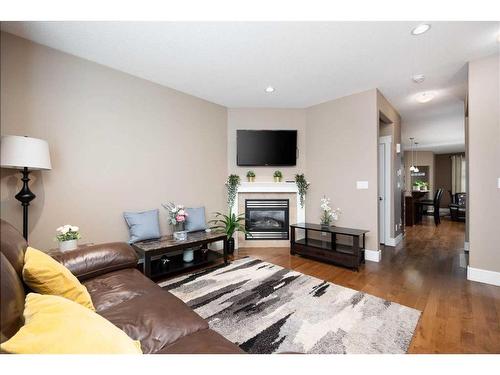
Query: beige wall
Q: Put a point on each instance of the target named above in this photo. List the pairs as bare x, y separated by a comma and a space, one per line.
117, 143
267, 119
341, 143
393, 129
424, 158
484, 163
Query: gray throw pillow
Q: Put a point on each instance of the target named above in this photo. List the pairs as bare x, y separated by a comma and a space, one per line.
196, 219
143, 225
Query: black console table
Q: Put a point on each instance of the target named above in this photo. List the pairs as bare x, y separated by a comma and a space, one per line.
328, 249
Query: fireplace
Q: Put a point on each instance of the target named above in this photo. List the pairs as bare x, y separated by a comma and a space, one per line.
266, 219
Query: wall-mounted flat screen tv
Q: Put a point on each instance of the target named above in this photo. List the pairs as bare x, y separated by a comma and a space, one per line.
266, 147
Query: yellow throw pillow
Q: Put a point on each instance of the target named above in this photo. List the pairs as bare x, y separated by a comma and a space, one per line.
45, 275
56, 325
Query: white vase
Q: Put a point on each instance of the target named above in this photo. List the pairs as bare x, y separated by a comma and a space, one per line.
68, 245
188, 256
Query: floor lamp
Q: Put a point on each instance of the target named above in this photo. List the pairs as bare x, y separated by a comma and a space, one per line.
27, 154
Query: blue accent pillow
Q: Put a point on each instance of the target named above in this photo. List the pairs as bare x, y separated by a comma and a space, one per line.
143, 225
196, 219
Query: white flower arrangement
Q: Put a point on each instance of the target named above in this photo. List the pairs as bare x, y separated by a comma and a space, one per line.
328, 214
67, 233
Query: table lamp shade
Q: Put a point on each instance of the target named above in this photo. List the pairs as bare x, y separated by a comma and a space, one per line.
24, 152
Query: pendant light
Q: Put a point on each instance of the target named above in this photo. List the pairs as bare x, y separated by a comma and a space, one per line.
416, 158
412, 167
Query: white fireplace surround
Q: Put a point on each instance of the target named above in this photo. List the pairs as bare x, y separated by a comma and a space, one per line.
269, 187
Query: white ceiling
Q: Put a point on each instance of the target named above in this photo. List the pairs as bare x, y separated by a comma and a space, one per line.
231, 63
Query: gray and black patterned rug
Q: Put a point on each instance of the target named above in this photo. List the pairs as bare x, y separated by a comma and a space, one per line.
265, 308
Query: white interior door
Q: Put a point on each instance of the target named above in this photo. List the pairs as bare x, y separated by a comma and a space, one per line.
381, 192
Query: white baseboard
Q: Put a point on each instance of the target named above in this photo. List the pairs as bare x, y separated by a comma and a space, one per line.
466, 246
483, 276
373, 255
394, 241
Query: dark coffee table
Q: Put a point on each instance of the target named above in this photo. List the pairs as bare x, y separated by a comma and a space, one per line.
171, 251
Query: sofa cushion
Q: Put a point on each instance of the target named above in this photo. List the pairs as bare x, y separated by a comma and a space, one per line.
12, 300
56, 325
142, 309
45, 275
202, 342
12, 245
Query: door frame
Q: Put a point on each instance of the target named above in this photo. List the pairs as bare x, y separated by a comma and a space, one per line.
387, 142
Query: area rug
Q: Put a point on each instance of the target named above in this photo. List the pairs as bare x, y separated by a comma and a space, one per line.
265, 308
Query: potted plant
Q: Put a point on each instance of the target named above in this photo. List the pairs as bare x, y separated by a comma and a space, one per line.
302, 186
419, 185
68, 237
232, 183
328, 214
277, 176
251, 176
229, 224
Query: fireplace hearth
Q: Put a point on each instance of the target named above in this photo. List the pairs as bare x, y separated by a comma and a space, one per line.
267, 219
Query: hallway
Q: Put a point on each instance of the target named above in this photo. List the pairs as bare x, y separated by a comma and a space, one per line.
427, 271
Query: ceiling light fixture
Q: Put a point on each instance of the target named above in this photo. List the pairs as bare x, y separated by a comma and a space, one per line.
418, 78
269, 89
416, 170
420, 29
425, 97
412, 167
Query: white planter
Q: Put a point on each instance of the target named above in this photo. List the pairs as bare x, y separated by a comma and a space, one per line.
188, 256
68, 245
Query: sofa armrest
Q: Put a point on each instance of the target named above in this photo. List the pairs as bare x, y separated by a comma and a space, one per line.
91, 261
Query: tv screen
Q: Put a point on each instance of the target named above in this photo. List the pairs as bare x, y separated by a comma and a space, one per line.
266, 147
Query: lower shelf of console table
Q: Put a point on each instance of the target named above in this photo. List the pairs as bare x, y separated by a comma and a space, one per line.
329, 250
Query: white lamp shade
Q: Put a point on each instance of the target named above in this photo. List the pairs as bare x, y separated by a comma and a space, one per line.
24, 152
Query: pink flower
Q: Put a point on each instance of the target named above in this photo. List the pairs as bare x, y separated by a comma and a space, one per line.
180, 218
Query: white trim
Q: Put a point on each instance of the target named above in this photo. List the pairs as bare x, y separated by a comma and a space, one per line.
373, 255
394, 241
268, 187
466, 245
483, 276
387, 141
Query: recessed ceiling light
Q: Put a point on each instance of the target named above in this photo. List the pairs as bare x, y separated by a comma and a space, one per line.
418, 78
269, 89
420, 29
425, 97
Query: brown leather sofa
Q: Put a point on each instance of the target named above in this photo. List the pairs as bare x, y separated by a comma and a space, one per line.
120, 293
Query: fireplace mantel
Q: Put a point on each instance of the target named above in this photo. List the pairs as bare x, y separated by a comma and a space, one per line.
270, 187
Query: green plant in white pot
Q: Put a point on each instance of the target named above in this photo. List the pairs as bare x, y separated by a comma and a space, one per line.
277, 176
251, 176
68, 236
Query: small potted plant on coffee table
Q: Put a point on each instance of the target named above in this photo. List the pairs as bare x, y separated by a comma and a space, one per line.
277, 176
251, 176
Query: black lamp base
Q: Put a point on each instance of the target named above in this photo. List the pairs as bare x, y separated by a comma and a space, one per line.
25, 196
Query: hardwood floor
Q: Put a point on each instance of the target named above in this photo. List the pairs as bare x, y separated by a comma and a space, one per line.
427, 271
